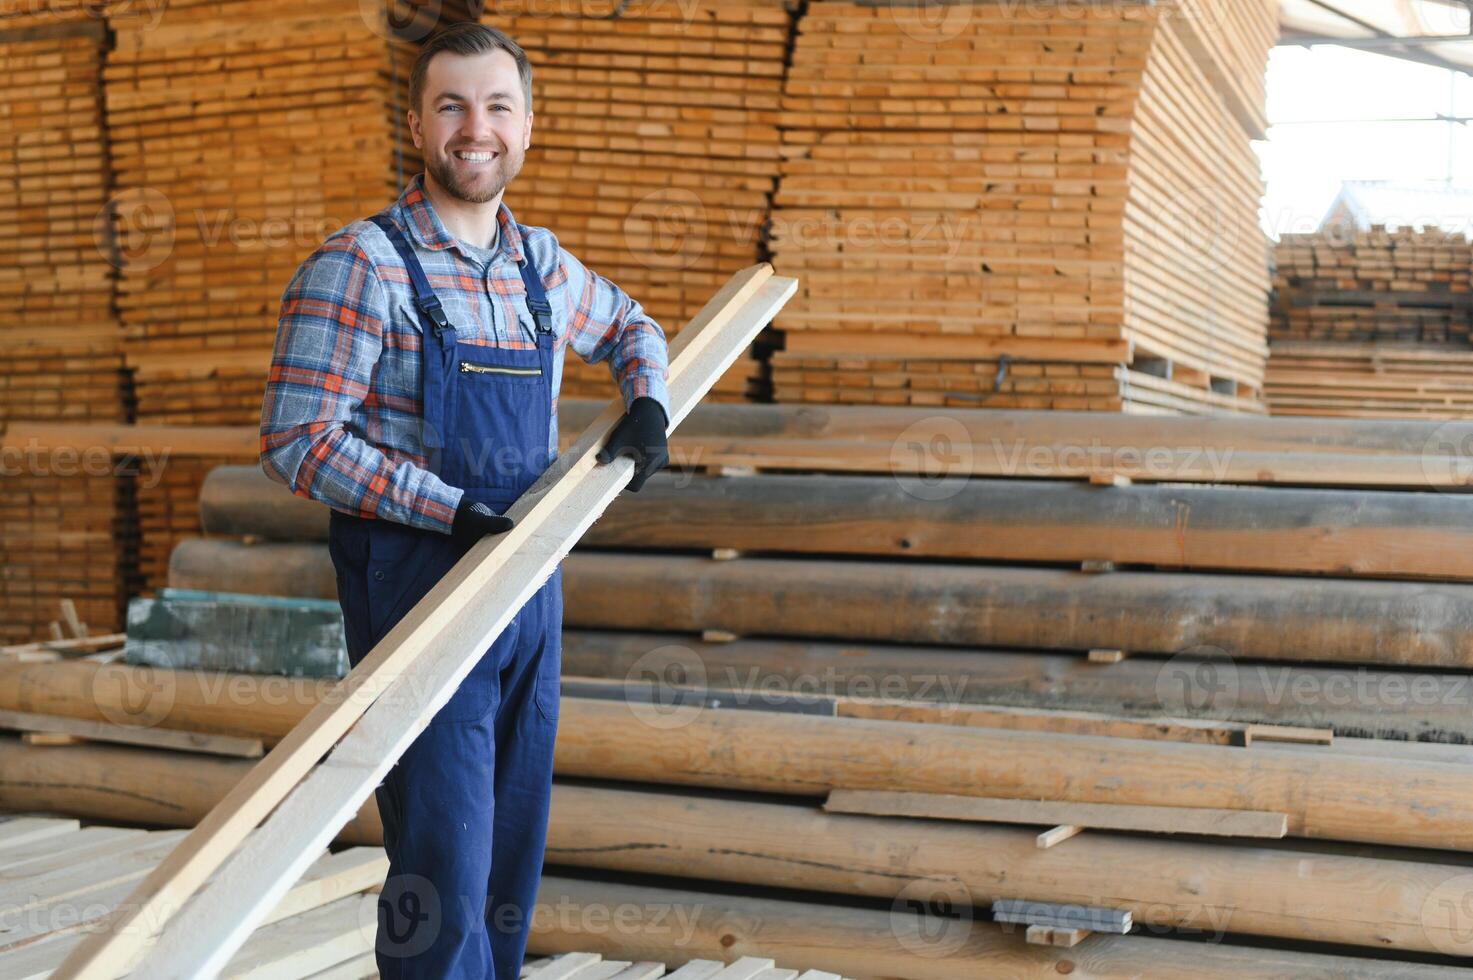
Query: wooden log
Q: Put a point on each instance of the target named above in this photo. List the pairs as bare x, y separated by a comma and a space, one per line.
1361, 702
242, 500
1323, 793
155, 787
1269, 618
1354, 532
1255, 617
1161, 882
909, 939
302, 571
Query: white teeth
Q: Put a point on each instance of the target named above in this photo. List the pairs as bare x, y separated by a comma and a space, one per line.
475, 157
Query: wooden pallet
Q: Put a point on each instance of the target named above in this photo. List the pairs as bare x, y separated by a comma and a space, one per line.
1370, 380
1041, 192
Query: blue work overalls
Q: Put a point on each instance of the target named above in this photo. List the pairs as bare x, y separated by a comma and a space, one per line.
465, 809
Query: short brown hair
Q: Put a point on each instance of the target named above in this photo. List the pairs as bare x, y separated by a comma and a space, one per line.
467, 39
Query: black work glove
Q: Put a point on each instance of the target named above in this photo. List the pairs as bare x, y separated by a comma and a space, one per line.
641, 434
474, 521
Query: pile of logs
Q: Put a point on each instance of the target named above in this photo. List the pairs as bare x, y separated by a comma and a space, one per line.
1001, 210
1126, 695
1372, 324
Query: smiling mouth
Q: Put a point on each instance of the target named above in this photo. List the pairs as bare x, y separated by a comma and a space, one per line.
475, 156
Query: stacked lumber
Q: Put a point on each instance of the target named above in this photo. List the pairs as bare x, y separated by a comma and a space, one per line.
1044, 205
243, 133
655, 149
68, 535
66, 531
1340, 285
63, 877
1370, 380
1372, 324
56, 271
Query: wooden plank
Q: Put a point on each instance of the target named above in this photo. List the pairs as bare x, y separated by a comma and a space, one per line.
1055, 936
23, 830
1102, 816
1062, 915
1058, 835
439, 640
361, 967
564, 967
245, 748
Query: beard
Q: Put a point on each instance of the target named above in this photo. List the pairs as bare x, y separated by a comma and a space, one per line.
474, 184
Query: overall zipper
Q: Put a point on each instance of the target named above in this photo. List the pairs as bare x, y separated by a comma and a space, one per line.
466, 367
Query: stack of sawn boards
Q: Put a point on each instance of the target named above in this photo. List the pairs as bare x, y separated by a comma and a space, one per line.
1372, 324
947, 649
655, 148
66, 525
1049, 209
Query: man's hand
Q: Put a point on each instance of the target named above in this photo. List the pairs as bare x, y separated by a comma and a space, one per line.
474, 521
640, 434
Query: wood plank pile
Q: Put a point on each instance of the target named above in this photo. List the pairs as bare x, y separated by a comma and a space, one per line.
1045, 206
1372, 324
243, 133
60, 344
1355, 287
943, 660
67, 532
655, 147
62, 878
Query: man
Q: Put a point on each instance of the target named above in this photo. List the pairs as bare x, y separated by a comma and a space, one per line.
413, 389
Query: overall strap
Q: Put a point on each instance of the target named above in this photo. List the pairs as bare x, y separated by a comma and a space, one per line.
424, 296
536, 294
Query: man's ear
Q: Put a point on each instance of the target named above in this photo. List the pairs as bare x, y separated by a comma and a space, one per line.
527, 133
414, 130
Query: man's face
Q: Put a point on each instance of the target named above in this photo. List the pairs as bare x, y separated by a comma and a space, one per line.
476, 128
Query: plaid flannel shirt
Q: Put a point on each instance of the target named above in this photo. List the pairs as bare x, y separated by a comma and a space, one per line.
342, 414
